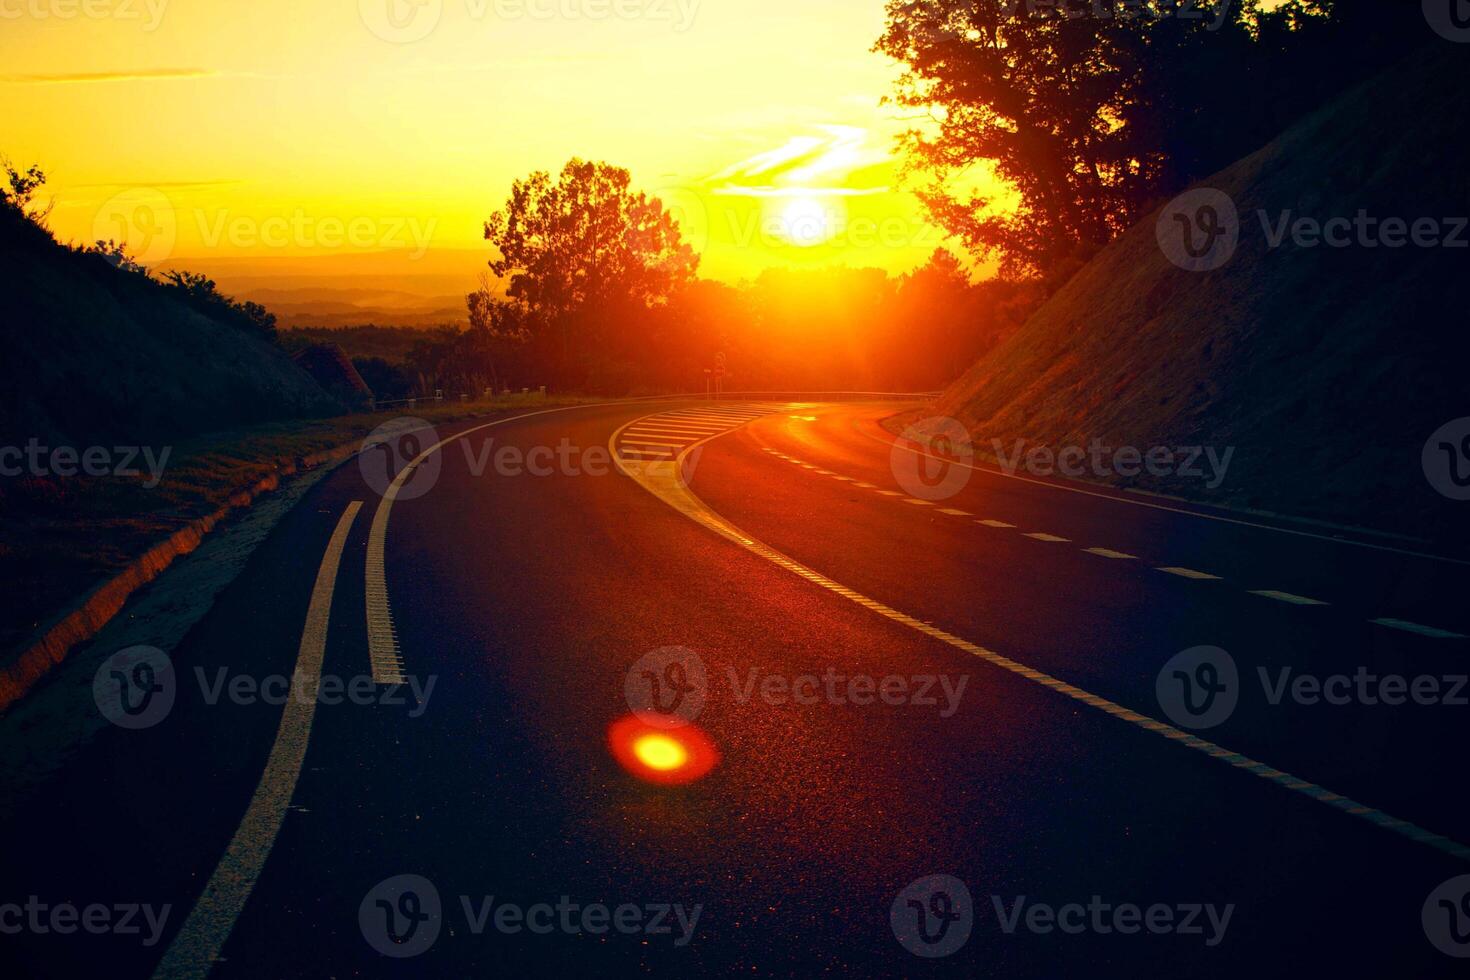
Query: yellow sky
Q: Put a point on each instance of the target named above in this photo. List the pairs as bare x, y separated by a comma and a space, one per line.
270, 129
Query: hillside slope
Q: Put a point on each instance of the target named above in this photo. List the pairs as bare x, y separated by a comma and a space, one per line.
1325, 368
93, 354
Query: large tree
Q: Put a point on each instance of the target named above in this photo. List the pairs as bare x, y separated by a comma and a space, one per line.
580, 256
1092, 111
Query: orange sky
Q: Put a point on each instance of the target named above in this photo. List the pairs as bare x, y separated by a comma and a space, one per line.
274, 130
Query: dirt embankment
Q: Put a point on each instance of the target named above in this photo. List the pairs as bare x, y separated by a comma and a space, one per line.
1324, 366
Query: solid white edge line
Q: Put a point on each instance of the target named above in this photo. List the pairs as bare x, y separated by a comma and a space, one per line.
697, 510
384, 655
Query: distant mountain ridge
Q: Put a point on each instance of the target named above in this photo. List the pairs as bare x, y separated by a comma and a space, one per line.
396, 287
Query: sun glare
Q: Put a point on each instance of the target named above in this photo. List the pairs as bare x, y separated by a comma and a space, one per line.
807, 221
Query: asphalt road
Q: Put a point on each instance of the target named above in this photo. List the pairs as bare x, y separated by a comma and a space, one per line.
895, 688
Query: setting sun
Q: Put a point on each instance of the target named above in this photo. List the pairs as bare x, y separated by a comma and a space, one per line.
369, 141
806, 221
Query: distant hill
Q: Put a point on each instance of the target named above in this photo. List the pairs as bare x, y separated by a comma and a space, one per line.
392, 344
94, 354
393, 286
1327, 368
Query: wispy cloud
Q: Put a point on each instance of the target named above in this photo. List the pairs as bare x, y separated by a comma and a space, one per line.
138, 75
157, 184
84, 77
829, 165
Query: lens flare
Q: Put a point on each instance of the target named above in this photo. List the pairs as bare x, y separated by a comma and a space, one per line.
660, 752
657, 754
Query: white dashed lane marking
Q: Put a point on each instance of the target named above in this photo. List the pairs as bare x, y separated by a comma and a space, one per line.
667, 486
1189, 573
1296, 600
1402, 624
1108, 553
1175, 570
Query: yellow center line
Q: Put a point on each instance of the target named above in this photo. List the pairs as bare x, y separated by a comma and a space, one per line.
196, 948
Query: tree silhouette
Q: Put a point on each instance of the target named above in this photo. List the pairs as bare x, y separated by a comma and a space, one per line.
1094, 111
20, 195
200, 292
580, 257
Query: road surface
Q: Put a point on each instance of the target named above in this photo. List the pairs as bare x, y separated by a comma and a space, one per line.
893, 680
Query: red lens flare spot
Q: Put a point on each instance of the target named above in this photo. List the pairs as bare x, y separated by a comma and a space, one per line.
660, 754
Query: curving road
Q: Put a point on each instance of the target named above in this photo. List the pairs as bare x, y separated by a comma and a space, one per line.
905, 670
